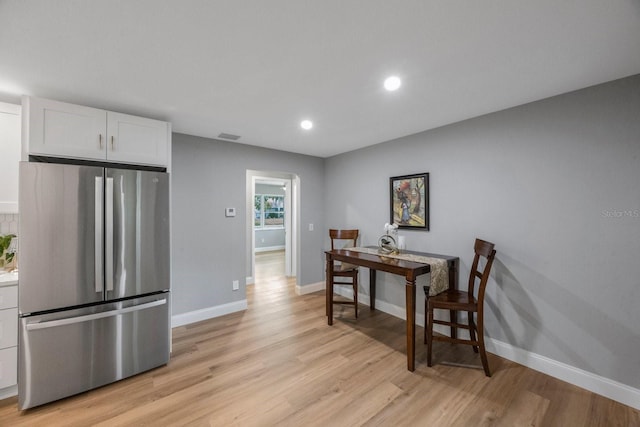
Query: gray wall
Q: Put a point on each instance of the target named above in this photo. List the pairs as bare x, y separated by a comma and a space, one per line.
555, 184
269, 238
209, 251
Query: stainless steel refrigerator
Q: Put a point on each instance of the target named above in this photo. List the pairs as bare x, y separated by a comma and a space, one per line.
94, 277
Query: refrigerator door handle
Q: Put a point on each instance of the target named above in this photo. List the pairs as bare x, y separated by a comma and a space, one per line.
108, 261
86, 318
98, 254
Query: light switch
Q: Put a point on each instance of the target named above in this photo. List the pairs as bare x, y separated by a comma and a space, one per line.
310, 227
228, 212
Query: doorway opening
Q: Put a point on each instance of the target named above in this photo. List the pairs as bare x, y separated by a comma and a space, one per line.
273, 201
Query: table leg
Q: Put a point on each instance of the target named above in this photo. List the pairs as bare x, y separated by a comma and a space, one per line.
372, 289
329, 290
411, 323
453, 284
453, 274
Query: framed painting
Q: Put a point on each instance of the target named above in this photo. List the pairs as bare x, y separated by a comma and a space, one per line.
410, 201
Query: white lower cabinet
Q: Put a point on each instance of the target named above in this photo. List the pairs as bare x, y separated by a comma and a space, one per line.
8, 367
8, 340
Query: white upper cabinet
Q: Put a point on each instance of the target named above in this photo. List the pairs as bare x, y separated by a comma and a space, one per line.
9, 156
134, 139
66, 130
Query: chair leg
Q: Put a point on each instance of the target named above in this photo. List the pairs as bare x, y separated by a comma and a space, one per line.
429, 333
355, 294
472, 330
453, 318
426, 303
330, 300
483, 353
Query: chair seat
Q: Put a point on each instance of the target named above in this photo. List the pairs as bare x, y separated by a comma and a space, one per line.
454, 300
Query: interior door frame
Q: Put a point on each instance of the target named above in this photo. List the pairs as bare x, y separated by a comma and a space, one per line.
292, 209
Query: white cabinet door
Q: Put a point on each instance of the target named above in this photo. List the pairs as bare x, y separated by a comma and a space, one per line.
133, 139
8, 328
8, 367
8, 297
66, 130
8, 338
9, 156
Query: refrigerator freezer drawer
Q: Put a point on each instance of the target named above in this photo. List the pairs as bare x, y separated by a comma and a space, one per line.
62, 354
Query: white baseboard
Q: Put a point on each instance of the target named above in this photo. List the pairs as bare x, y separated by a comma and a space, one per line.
307, 289
270, 248
597, 384
9, 392
207, 313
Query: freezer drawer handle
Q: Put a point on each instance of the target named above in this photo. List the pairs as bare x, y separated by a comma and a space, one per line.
89, 317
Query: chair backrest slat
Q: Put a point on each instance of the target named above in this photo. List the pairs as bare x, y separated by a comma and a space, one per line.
343, 235
484, 250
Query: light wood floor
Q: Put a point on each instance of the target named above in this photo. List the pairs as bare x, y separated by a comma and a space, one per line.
279, 364
269, 265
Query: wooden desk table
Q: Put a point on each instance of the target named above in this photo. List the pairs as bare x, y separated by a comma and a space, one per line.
409, 269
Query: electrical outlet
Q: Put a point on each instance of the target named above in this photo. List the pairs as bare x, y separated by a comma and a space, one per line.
236, 285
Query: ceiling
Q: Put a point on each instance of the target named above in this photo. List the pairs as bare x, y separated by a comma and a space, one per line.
256, 68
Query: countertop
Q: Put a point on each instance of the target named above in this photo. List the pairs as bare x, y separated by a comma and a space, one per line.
8, 279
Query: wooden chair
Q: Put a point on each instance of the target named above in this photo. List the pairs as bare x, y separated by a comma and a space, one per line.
455, 300
347, 273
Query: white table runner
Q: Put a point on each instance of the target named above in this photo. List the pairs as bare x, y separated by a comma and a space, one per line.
439, 267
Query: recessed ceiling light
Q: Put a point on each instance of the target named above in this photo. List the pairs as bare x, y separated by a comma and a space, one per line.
392, 83
306, 124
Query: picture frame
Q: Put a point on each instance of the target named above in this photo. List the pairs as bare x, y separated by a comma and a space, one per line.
409, 201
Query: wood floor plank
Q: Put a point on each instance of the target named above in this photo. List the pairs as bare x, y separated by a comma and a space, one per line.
279, 364
526, 409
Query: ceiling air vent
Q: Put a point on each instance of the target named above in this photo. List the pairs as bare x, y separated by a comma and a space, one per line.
229, 136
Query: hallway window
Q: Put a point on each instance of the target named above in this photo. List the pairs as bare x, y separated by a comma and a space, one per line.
268, 211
